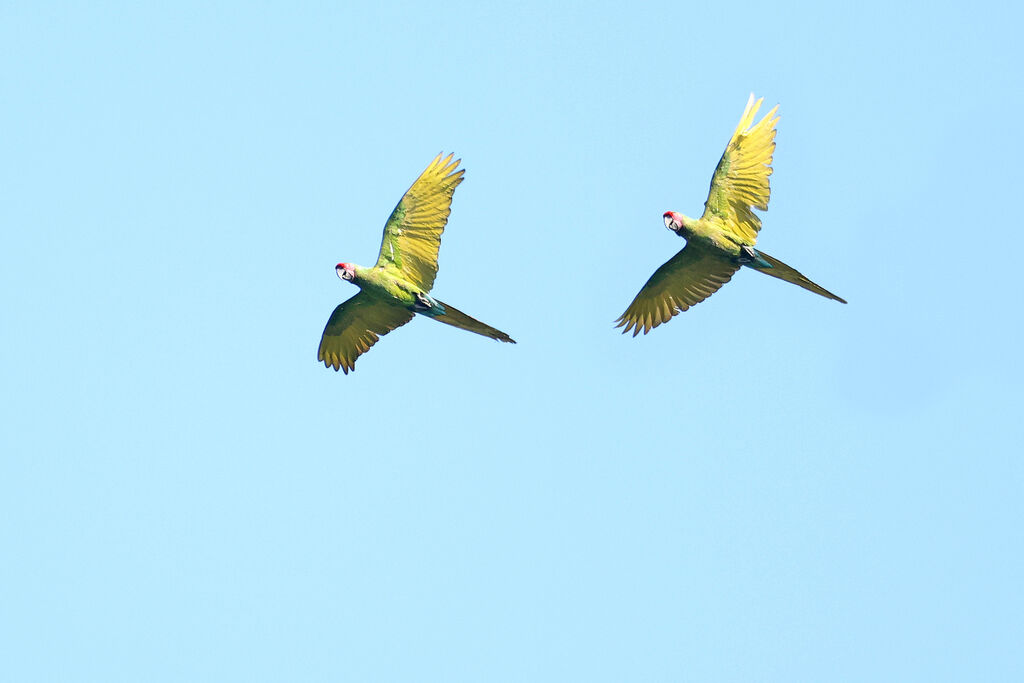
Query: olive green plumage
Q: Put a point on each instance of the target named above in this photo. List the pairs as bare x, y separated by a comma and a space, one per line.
398, 286
722, 239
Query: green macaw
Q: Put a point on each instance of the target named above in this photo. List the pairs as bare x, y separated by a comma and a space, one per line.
398, 286
722, 239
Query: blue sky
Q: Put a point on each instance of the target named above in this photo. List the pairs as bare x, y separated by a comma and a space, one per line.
771, 487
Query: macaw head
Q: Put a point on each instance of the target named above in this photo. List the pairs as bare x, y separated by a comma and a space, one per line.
673, 221
346, 271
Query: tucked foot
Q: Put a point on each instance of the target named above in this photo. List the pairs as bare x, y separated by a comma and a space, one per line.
427, 304
749, 257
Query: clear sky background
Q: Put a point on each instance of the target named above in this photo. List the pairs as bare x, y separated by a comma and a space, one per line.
771, 487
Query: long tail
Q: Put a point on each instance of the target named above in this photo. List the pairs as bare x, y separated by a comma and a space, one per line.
777, 268
456, 318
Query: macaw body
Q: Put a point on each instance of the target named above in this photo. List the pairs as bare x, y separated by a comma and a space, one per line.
398, 287
716, 238
722, 240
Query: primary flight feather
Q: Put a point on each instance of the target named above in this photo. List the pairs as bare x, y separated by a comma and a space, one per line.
398, 286
722, 239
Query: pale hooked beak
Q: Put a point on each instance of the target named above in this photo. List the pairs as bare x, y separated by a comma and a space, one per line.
671, 224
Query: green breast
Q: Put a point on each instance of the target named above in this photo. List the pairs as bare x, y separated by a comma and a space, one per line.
386, 284
712, 235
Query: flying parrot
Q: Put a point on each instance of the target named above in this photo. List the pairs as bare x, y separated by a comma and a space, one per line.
398, 286
723, 239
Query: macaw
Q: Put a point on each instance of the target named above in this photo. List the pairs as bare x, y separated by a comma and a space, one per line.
722, 239
398, 286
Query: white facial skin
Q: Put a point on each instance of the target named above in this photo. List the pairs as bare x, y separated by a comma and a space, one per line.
345, 271
673, 222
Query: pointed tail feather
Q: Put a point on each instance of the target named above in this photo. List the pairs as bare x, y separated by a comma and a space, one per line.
456, 318
783, 272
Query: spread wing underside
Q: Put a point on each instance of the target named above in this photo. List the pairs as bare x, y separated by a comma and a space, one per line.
685, 280
412, 234
740, 183
356, 325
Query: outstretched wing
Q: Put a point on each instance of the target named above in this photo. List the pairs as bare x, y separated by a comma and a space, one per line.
355, 326
740, 183
412, 235
684, 280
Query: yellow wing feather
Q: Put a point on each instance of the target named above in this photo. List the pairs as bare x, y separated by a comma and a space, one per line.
356, 325
684, 280
741, 180
412, 234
